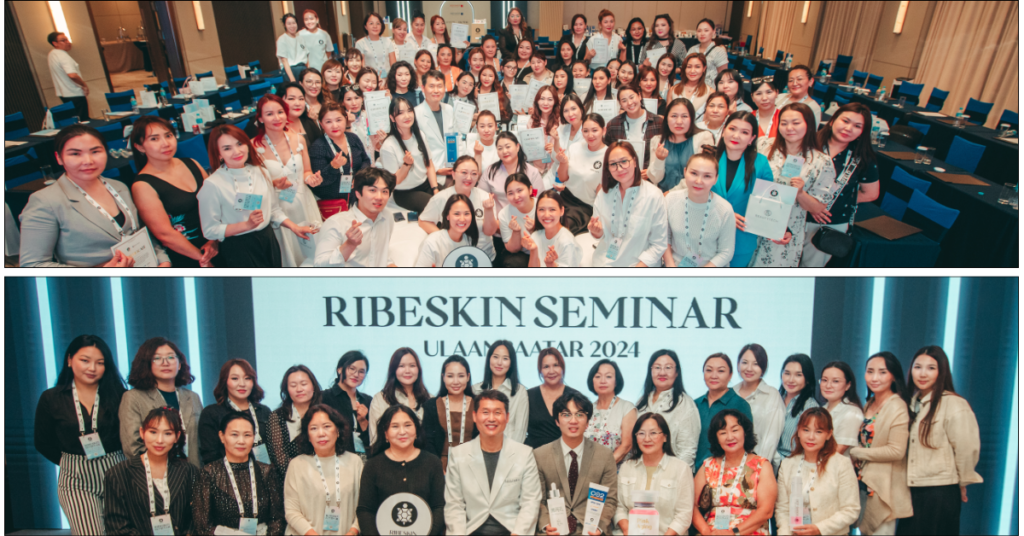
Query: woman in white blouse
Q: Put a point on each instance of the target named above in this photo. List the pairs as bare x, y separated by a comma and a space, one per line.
830, 500
580, 165
515, 219
716, 111
240, 222
629, 221
766, 405
838, 387
289, 53
502, 373
551, 245
323, 463
614, 417
404, 386
718, 60
652, 467
664, 395
701, 225
377, 51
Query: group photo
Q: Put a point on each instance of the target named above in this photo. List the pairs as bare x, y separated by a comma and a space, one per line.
376, 405
518, 134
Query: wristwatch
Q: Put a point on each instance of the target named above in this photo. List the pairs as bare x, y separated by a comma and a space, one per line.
735, 530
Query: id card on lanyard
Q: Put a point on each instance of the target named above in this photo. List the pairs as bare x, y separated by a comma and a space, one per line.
723, 514
287, 195
130, 240
345, 186
618, 235
332, 514
245, 200
462, 424
692, 257
247, 525
162, 525
91, 443
259, 449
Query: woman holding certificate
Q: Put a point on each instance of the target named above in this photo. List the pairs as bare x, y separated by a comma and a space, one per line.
600, 90
405, 154
796, 160
605, 45
630, 221
489, 84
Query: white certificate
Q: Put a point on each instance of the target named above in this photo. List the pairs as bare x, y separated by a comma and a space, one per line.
140, 247
651, 105
518, 95
532, 88
607, 109
148, 100
768, 209
377, 111
638, 146
600, 45
533, 141
460, 35
407, 53
196, 88
581, 86
209, 84
464, 116
489, 101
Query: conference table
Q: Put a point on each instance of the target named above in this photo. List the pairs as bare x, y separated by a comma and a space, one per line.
873, 251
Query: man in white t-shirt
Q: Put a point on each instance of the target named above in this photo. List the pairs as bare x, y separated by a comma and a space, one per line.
67, 79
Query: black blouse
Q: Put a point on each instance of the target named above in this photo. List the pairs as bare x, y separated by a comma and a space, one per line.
280, 447
182, 208
210, 447
384, 477
126, 497
339, 400
541, 428
320, 157
56, 427
214, 500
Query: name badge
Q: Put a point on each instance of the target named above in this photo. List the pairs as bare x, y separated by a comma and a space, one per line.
92, 446
248, 201
346, 184
288, 195
162, 525
807, 517
792, 166
613, 249
723, 516
260, 451
248, 525
693, 261
332, 519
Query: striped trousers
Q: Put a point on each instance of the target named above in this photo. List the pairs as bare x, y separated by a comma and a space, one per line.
80, 490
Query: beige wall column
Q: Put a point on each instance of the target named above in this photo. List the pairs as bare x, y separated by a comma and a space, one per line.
200, 49
550, 15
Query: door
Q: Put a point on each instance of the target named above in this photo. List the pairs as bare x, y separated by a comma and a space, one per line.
325, 11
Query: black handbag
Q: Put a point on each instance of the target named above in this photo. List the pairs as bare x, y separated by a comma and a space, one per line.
833, 242
704, 504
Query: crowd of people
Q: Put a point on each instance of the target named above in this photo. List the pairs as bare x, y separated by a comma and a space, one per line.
483, 455
652, 149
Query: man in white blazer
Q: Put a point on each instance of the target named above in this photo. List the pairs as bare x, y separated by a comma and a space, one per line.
426, 117
492, 485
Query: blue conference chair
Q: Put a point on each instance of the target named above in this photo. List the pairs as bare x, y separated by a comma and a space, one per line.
769, 72
121, 101
750, 42
232, 74
860, 77
275, 80
195, 149
760, 51
253, 65
64, 115
178, 82
228, 99
157, 87
842, 68
923, 127
926, 214
823, 66
936, 100
15, 126
20, 169
1011, 118
114, 135
242, 124
899, 190
911, 91
201, 76
964, 154
977, 111
779, 56
874, 82
843, 97
258, 90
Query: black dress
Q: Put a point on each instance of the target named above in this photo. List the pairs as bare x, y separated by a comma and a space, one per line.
383, 477
435, 427
210, 447
509, 44
214, 501
281, 448
541, 428
183, 210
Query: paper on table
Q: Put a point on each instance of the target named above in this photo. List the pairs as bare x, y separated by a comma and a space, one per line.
532, 141
460, 35
931, 114
138, 246
13, 143
600, 45
581, 86
191, 107
196, 87
148, 100
209, 84
377, 111
464, 116
768, 209
50, 132
533, 87
518, 95
651, 105
242, 71
607, 109
208, 114
957, 178
489, 101
1011, 140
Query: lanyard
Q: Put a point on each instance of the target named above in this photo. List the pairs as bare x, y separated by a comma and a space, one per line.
580, 52
95, 409
634, 52
703, 226
373, 52
337, 479
273, 149
331, 145
149, 486
736, 481
627, 208
117, 199
462, 423
256, 423
849, 168
233, 173
238, 496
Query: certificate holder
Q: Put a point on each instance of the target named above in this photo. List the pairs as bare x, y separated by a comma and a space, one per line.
138, 246
607, 109
464, 116
518, 95
489, 102
533, 140
601, 50
377, 111
460, 35
532, 88
581, 86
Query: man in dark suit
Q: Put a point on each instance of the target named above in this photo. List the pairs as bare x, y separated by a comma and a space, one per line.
572, 463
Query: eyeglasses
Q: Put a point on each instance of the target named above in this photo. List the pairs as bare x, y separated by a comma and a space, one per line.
621, 164
579, 415
644, 435
667, 370
165, 359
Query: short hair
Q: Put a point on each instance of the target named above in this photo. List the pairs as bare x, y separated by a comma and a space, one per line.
490, 394
539, 54
718, 423
803, 68
607, 181
433, 73
173, 418
353, 52
562, 404
305, 446
760, 355
70, 132
619, 381
366, 20
552, 351
369, 176
331, 64
332, 106
469, 158
235, 415
385, 422
141, 375
718, 355
634, 451
220, 392
52, 37
284, 19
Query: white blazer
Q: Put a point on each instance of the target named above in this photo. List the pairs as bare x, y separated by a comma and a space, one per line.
513, 500
433, 137
835, 497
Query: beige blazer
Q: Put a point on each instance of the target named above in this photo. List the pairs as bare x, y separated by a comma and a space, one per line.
955, 445
597, 466
60, 228
137, 403
886, 469
835, 496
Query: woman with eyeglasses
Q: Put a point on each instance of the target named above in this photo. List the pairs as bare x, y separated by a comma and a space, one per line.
158, 373
313, 85
237, 391
350, 402
664, 394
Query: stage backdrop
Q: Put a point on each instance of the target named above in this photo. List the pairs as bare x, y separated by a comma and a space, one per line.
275, 322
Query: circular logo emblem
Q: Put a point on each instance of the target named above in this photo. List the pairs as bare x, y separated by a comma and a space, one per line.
321, 41
775, 193
597, 165
404, 514
466, 261
767, 213
467, 257
479, 213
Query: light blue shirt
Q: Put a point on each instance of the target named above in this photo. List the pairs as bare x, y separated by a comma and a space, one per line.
789, 430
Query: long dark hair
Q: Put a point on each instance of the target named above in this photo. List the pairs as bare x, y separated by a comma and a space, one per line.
851, 395
654, 35
556, 197
677, 386
862, 146
459, 360
892, 364
472, 94
513, 367
750, 153
286, 399
419, 391
679, 101
140, 130
385, 422
807, 393
523, 26
141, 374
810, 141
567, 98
111, 387
943, 386
392, 81
592, 93
324, 95
735, 76
473, 232
634, 451
520, 157
394, 110
629, 28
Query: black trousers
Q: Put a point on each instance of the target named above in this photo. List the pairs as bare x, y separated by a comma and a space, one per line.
936, 511
415, 199
81, 106
504, 259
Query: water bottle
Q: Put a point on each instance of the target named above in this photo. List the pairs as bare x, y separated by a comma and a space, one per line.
135, 105
822, 75
273, 90
959, 118
789, 61
163, 97
199, 124
874, 132
881, 94
174, 125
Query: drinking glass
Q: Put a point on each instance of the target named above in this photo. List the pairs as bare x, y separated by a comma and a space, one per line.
903, 102
1004, 196
919, 155
926, 156
1003, 129
882, 136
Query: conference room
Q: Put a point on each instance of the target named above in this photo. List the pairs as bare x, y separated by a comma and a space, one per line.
917, 101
